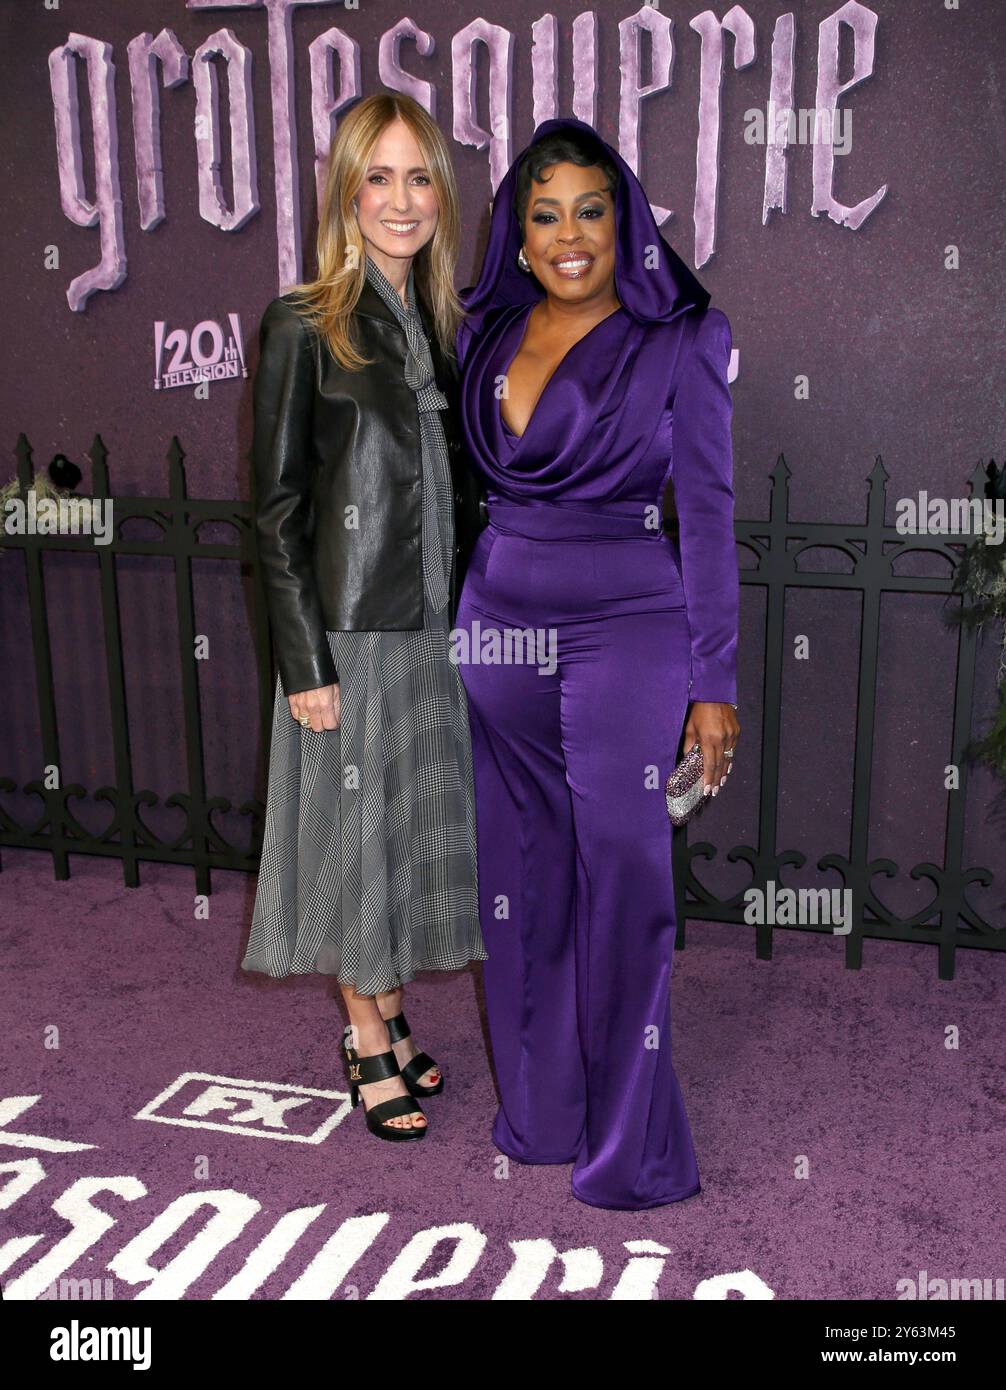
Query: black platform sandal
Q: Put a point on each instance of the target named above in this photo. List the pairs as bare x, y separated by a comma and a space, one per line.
379, 1068
422, 1062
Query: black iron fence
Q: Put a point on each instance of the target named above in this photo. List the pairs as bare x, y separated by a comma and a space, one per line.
874, 551
128, 836
777, 544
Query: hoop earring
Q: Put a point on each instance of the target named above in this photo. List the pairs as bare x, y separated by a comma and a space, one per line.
523, 261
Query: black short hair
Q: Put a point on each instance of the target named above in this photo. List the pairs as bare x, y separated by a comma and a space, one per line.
572, 147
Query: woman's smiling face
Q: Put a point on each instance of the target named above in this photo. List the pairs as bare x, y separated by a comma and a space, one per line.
569, 232
396, 206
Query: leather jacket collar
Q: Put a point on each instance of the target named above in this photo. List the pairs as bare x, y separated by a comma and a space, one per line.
370, 305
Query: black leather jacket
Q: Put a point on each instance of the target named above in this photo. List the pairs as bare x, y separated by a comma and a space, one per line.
337, 467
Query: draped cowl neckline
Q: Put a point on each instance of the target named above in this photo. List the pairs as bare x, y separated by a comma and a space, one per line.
594, 418
514, 350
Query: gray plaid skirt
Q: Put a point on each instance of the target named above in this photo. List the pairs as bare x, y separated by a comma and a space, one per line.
368, 868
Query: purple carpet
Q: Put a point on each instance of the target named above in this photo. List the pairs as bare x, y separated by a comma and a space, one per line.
173, 1128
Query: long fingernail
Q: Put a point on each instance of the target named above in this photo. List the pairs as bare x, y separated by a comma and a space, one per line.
715, 790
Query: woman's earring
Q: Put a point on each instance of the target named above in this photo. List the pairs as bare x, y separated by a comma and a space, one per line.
523, 261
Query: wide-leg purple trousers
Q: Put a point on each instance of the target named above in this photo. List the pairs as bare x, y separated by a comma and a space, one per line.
575, 882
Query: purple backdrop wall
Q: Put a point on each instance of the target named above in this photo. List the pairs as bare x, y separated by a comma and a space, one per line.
900, 352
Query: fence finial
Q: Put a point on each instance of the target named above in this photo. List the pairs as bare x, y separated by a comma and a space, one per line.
176, 470
877, 505
779, 501
98, 455
24, 471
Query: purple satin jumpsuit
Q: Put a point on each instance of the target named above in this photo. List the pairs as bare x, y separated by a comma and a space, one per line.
571, 749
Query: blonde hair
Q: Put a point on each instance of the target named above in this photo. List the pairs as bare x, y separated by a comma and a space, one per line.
328, 301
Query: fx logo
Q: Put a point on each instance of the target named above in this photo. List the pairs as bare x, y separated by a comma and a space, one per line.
267, 1110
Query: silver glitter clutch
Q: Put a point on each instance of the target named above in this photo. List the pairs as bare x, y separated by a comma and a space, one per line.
683, 791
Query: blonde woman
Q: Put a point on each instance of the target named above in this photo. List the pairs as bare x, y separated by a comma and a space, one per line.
365, 514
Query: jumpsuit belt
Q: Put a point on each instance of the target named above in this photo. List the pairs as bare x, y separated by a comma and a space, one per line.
572, 564
552, 521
